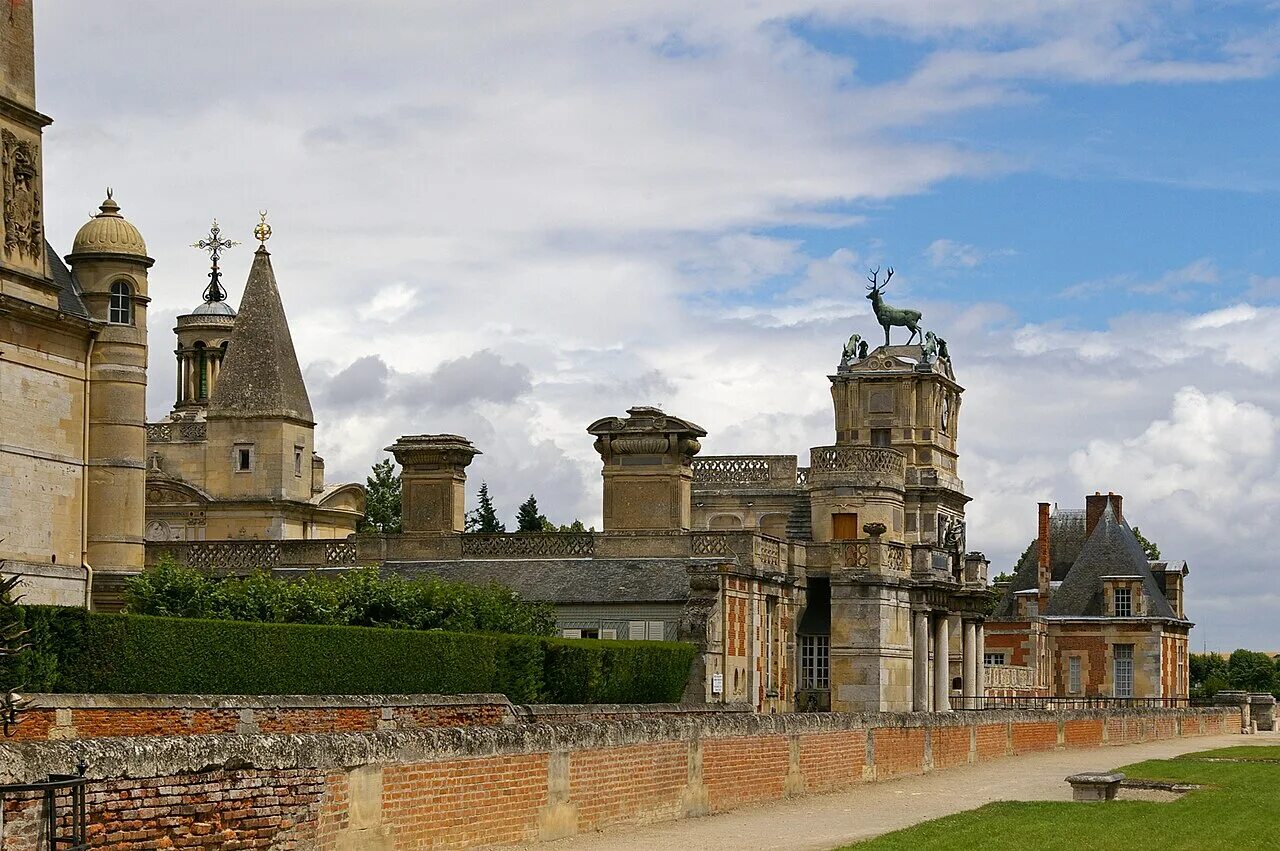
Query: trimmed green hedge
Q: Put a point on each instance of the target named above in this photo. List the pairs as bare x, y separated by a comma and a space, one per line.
77, 651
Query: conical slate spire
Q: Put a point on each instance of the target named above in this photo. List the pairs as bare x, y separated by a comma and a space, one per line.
260, 376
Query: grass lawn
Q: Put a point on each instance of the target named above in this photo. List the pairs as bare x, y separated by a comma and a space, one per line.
1238, 808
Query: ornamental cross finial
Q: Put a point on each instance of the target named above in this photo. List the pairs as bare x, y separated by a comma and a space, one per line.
262, 232
214, 244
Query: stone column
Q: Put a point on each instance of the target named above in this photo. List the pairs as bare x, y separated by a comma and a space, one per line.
980, 686
941, 664
920, 663
433, 481
969, 668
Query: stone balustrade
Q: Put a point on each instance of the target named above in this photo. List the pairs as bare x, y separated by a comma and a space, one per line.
1009, 677
868, 466
241, 557
179, 432
744, 472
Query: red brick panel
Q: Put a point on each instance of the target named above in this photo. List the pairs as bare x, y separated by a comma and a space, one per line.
832, 760
1034, 737
1086, 733
993, 741
463, 803
951, 746
744, 770
628, 784
898, 750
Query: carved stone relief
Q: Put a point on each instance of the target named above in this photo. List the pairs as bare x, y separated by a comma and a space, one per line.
23, 228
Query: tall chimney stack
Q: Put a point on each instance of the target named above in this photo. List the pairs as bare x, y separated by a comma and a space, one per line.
1093, 508
1044, 572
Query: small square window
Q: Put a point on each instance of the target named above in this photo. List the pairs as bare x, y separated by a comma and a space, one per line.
882, 437
1123, 599
993, 659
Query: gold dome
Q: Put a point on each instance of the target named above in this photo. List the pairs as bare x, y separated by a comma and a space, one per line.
109, 233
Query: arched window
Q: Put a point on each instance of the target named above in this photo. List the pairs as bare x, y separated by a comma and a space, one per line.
202, 371
120, 309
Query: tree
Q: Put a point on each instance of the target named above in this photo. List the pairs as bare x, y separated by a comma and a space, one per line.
527, 517
382, 499
1250, 671
484, 518
1149, 547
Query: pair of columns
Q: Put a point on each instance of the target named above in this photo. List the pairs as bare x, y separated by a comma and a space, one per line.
937, 635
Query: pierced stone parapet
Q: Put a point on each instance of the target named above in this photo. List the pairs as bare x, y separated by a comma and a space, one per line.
868, 466
744, 471
528, 545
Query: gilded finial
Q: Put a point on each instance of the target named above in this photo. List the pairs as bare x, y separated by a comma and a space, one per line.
263, 230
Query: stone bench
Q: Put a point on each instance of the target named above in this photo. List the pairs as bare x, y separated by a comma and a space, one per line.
1095, 785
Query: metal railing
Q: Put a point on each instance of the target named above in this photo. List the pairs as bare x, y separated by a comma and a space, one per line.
64, 812
1066, 703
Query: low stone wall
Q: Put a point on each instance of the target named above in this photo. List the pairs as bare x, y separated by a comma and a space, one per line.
88, 716
464, 787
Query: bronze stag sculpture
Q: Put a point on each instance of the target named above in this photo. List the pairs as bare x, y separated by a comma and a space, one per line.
887, 315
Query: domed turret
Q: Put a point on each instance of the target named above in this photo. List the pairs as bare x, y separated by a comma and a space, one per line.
109, 260
109, 233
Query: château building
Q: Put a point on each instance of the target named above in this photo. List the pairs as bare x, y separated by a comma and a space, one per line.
1089, 615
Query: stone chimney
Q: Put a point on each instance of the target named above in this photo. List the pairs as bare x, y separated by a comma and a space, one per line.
1044, 568
433, 481
647, 469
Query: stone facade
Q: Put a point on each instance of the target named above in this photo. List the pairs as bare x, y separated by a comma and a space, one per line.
72, 366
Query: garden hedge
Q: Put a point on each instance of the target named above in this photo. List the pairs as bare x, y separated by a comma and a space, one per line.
74, 651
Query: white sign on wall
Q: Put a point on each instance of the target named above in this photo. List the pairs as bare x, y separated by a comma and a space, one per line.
717, 683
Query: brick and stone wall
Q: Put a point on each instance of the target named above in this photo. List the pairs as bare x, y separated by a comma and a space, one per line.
461, 787
88, 716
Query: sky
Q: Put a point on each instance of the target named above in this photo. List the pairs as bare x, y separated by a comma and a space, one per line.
507, 220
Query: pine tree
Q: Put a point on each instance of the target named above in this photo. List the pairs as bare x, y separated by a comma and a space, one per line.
528, 519
483, 518
382, 499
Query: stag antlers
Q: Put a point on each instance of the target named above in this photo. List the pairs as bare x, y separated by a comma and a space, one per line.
875, 273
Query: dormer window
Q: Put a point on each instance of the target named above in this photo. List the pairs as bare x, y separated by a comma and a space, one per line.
120, 307
1122, 602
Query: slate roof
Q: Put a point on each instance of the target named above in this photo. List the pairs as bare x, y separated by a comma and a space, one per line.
1111, 550
569, 581
260, 375
69, 300
1066, 540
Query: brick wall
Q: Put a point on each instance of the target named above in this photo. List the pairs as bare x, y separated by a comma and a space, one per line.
75, 716
462, 787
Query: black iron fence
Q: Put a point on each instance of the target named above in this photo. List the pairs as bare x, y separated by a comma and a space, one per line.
63, 809
1095, 702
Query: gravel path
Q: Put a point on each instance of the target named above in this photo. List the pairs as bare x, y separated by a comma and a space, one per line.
824, 822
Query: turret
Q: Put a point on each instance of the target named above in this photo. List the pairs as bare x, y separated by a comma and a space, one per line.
109, 259
204, 335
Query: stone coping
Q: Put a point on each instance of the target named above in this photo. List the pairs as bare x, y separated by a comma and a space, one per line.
143, 756
258, 701
584, 711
